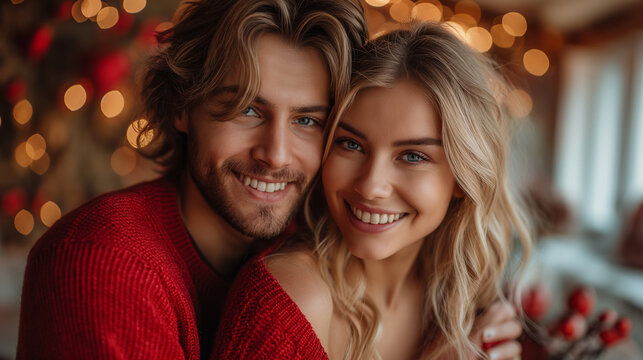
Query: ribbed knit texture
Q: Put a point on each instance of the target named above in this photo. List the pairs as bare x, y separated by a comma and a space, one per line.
261, 321
119, 278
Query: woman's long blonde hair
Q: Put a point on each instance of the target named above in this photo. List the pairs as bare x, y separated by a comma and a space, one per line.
462, 261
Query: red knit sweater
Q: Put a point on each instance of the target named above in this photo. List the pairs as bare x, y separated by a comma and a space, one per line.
120, 278
262, 322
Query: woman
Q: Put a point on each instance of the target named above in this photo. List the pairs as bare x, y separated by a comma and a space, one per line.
410, 236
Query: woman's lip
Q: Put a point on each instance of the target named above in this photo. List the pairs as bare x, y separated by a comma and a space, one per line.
370, 209
368, 228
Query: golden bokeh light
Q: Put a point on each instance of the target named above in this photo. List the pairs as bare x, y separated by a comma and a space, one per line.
468, 7
0, 120
22, 111
41, 165
77, 13
479, 39
514, 23
500, 37
377, 3
21, 154
90, 8
16, 2
134, 6
426, 12
75, 97
456, 29
134, 129
107, 17
465, 20
49, 213
23, 221
123, 160
447, 13
401, 11
520, 103
36, 146
112, 103
536, 62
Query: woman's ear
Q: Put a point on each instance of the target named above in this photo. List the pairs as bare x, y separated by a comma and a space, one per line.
458, 193
181, 122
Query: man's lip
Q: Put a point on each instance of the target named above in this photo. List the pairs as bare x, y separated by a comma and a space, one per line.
259, 178
273, 197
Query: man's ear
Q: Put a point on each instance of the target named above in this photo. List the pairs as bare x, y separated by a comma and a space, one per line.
181, 122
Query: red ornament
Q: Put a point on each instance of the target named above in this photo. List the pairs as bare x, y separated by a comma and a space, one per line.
40, 42
623, 326
110, 70
535, 301
13, 200
581, 301
16, 91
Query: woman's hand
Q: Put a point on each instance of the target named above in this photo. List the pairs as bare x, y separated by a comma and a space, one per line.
497, 330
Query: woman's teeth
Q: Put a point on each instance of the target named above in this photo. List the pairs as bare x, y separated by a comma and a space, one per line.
375, 219
262, 185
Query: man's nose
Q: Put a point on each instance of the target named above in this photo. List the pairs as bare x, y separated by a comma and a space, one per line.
274, 146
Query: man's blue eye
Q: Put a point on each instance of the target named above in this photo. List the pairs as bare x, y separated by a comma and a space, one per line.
306, 121
352, 145
249, 112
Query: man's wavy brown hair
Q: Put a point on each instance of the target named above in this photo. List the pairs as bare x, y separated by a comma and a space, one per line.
213, 37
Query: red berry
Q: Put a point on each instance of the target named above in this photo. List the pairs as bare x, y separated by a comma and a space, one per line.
535, 301
623, 326
573, 327
581, 301
609, 337
607, 317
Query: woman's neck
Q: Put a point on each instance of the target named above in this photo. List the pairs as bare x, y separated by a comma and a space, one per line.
389, 278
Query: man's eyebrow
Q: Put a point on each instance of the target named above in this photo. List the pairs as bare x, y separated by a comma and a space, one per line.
418, 141
303, 109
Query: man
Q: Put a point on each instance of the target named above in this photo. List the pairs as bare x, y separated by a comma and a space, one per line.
238, 99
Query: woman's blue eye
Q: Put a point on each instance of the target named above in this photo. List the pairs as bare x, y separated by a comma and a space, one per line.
413, 157
249, 112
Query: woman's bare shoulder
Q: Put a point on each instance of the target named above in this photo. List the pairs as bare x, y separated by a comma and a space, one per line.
298, 274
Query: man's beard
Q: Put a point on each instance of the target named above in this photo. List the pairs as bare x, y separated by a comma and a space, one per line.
265, 223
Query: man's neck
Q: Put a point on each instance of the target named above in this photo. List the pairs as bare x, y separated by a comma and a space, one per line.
221, 245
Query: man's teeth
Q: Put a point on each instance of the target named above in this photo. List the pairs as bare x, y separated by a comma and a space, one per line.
375, 219
262, 185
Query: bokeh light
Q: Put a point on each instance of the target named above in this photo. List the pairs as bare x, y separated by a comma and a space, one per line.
377, 3
500, 37
536, 62
75, 97
468, 7
514, 23
123, 160
520, 103
41, 165
456, 29
90, 8
479, 39
50, 213
401, 11
112, 103
24, 222
426, 12
134, 6
107, 17
36, 146
77, 13
465, 20
21, 155
22, 111
134, 129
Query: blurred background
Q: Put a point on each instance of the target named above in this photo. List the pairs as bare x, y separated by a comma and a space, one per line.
70, 113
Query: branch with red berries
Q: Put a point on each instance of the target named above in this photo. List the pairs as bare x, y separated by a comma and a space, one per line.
575, 335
